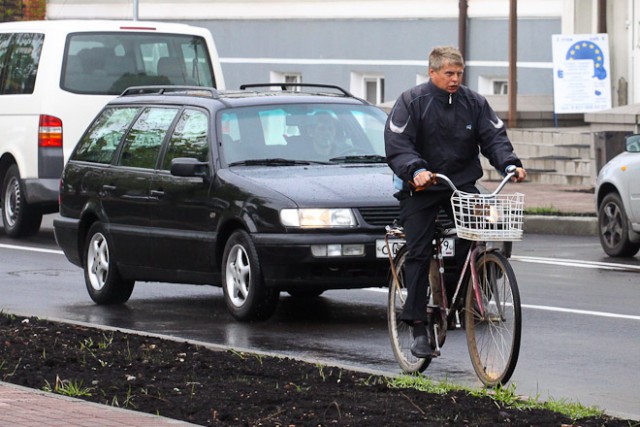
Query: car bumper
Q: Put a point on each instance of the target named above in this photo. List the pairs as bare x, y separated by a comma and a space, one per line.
288, 263
43, 192
66, 231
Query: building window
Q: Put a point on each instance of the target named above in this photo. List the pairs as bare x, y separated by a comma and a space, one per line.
493, 85
280, 77
368, 86
500, 87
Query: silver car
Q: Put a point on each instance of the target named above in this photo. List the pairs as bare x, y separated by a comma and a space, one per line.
618, 201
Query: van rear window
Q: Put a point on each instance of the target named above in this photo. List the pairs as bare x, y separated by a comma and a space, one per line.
108, 63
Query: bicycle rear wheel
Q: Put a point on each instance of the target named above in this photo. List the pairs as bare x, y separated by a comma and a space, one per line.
400, 333
493, 336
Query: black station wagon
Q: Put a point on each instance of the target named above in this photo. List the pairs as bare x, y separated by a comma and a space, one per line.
260, 190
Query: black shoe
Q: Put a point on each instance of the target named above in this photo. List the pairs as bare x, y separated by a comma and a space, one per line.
421, 347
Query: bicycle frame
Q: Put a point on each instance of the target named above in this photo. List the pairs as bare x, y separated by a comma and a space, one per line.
469, 263
444, 307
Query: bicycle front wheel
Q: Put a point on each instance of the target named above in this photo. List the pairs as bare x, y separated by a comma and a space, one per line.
400, 333
493, 320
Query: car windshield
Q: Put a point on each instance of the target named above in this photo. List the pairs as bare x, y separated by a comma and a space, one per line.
295, 134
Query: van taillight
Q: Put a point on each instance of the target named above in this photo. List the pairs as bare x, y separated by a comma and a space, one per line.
49, 131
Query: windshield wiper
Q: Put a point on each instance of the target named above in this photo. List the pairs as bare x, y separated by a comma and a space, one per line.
368, 158
273, 162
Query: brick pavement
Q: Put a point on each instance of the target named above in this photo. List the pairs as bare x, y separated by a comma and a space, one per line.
24, 407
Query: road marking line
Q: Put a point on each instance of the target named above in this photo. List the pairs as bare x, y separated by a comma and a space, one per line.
576, 263
32, 249
558, 309
587, 312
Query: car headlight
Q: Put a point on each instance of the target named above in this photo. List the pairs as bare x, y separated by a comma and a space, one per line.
317, 218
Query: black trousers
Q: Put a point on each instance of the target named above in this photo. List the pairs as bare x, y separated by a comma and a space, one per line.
417, 215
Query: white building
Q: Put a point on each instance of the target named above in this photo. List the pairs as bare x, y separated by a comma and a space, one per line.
377, 48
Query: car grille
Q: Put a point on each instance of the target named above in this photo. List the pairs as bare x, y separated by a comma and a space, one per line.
384, 215
380, 216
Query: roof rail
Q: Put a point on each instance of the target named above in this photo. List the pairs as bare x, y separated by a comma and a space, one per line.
161, 90
286, 86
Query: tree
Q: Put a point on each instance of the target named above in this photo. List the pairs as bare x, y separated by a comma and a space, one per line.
10, 10
34, 9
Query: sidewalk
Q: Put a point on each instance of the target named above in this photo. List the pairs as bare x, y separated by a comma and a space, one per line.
575, 205
24, 407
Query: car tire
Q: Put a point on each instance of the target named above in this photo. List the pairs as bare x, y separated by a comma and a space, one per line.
245, 293
103, 281
19, 219
613, 228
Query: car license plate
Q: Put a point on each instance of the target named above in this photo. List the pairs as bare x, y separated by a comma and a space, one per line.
448, 247
394, 246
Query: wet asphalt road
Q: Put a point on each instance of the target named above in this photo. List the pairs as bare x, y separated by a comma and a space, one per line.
581, 317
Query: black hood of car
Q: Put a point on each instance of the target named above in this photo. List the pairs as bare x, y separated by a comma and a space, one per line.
327, 185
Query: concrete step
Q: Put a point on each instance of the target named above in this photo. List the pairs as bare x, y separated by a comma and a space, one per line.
545, 176
561, 165
552, 136
562, 156
532, 150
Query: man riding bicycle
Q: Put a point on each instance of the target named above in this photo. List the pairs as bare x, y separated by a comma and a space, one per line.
438, 127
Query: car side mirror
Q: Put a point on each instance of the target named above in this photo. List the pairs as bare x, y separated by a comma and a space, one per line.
633, 143
188, 166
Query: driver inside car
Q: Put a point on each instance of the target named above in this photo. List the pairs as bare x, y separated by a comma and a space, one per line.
326, 134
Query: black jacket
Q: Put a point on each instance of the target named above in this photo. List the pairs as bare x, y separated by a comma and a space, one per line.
431, 129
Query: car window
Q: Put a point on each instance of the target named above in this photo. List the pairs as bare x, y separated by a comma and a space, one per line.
633, 144
306, 132
142, 143
19, 73
189, 139
99, 143
108, 63
5, 43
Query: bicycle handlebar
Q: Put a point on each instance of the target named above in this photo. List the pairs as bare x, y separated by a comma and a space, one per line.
511, 172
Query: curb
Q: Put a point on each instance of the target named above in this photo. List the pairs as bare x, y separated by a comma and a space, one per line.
567, 225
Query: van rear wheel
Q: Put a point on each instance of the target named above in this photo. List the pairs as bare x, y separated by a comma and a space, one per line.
19, 219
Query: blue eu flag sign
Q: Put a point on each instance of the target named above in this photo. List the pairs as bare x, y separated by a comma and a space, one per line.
589, 50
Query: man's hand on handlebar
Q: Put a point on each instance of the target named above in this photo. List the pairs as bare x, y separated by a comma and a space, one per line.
422, 180
520, 175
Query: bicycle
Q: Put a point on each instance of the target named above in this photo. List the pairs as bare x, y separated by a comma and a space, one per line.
486, 292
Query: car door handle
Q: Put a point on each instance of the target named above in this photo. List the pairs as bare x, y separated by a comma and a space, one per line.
106, 189
158, 194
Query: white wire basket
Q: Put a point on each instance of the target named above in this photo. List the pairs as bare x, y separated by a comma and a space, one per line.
488, 218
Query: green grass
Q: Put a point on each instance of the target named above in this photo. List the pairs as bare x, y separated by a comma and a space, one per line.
68, 388
506, 396
542, 210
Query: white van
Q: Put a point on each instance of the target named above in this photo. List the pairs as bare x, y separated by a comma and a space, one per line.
55, 76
